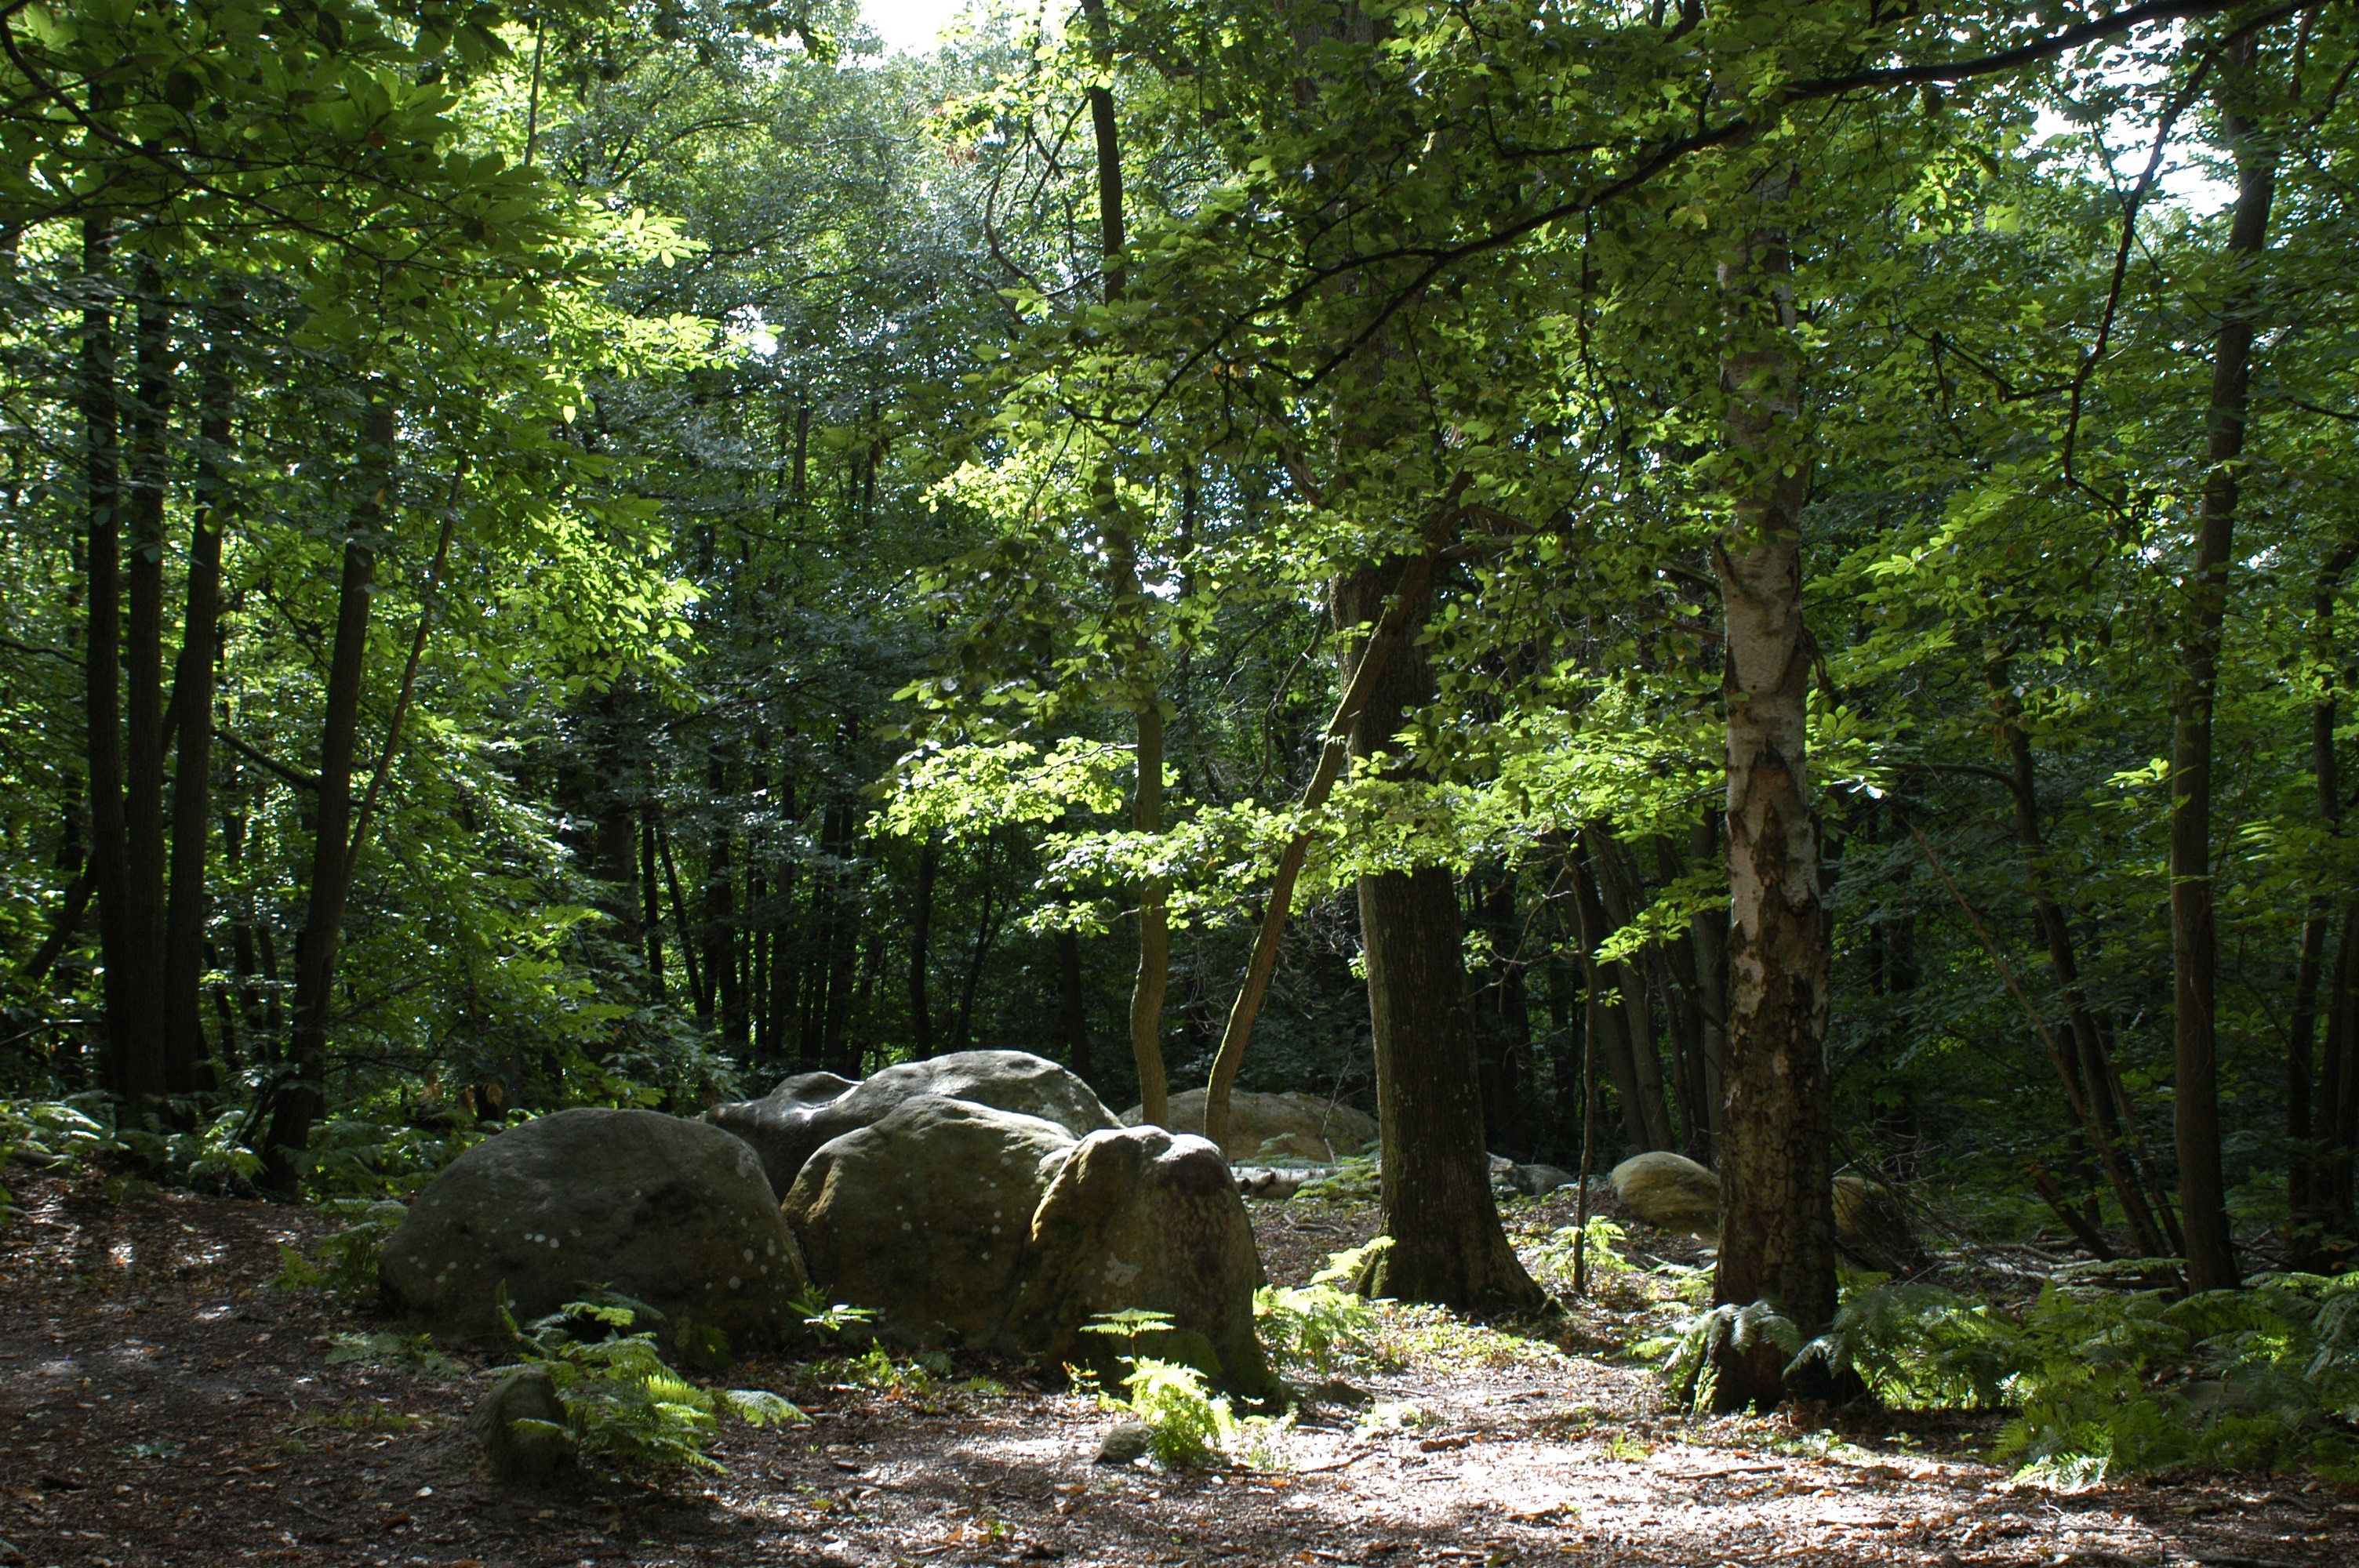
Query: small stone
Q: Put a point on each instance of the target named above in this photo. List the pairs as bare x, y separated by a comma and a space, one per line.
1128, 1441
533, 1453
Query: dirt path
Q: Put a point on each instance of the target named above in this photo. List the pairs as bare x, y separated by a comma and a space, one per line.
159, 1404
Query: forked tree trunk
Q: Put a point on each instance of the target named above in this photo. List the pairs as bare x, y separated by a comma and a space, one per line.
2203, 1211
2106, 1117
1708, 935
1448, 1246
721, 917
302, 1091
1776, 1176
1628, 977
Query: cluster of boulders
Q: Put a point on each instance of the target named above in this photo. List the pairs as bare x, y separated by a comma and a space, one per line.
984, 1200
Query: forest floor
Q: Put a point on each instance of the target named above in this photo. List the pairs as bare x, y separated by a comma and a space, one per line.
161, 1403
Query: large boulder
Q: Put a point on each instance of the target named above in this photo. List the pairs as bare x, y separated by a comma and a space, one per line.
1149, 1219
789, 1123
674, 1213
1670, 1192
923, 1216
1282, 1126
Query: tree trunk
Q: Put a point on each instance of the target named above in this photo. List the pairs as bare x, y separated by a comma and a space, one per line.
121, 1067
1606, 1025
193, 697
302, 1092
2107, 1118
700, 998
1629, 977
1776, 1178
721, 917
2302, 1118
2211, 1253
987, 931
1128, 604
651, 906
1708, 933
143, 714
1072, 1004
1685, 1003
1415, 580
1502, 1034
2337, 1124
843, 945
1448, 1246
921, 926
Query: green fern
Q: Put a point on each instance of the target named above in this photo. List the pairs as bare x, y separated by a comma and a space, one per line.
1315, 1325
1694, 1345
1917, 1346
1186, 1425
622, 1403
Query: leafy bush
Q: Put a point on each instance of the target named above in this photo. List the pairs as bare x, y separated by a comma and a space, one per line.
622, 1402
55, 1131
830, 1322
352, 1157
413, 1353
2260, 1378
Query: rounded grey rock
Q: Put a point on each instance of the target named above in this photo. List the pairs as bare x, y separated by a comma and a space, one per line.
674, 1213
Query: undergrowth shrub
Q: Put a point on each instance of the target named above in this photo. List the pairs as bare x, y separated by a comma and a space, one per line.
2104, 1382
1691, 1349
1554, 1254
623, 1405
2262, 1378
346, 1259
352, 1157
192, 1141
